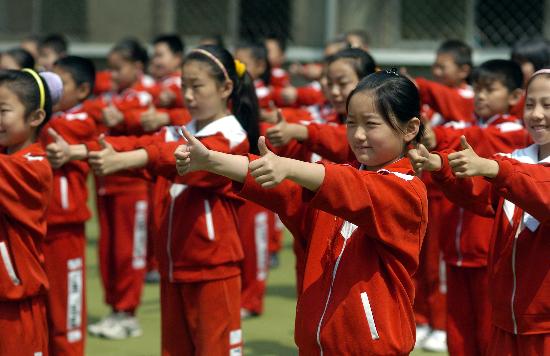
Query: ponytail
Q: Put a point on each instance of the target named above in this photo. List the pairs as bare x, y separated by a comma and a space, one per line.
243, 100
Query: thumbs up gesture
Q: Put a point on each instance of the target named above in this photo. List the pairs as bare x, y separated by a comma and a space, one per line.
106, 161
59, 151
283, 132
112, 116
423, 160
467, 163
191, 156
270, 169
152, 119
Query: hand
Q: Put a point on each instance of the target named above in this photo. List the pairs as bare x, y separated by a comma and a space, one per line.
283, 132
152, 120
429, 139
289, 95
59, 151
269, 170
112, 116
166, 98
467, 163
192, 156
106, 161
423, 160
270, 116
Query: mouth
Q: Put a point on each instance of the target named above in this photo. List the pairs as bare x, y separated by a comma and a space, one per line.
539, 127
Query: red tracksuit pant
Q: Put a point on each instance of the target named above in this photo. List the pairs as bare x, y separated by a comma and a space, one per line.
123, 248
503, 343
201, 318
64, 253
23, 327
468, 311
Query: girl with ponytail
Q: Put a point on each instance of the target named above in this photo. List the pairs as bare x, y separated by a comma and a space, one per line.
199, 247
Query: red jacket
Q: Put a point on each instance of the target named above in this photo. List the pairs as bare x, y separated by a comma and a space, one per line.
518, 261
25, 189
307, 95
465, 241
70, 190
198, 229
453, 104
363, 231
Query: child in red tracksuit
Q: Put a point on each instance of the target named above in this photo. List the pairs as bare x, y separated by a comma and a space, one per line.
25, 189
465, 242
199, 247
65, 242
122, 201
364, 223
514, 190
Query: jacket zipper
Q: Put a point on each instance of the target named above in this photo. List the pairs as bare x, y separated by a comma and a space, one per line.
169, 240
457, 237
514, 285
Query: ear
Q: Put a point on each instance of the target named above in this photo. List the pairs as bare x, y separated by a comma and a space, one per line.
83, 91
514, 97
261, 65
465, 71
36, 118
226, 89
411, 129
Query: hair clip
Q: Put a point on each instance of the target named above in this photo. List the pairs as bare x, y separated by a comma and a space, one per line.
393, 71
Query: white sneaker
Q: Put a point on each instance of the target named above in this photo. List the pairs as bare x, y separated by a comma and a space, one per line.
422, 332
96, 328
122, 326
436, 341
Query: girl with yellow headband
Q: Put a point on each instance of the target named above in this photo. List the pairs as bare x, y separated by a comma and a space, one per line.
25, 186
199, 248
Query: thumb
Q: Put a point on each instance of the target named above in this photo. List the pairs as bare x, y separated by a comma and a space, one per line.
464, 143
54, 135
151, 107
262, 147
191, 140
104, 144
423, 151
280, 117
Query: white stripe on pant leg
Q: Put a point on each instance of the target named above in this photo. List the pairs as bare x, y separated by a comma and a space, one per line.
260, 238
370, 317
5, 255
209, 220
139, 251
64, 191
75, 299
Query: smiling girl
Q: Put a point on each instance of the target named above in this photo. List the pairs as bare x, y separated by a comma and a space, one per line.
364, 222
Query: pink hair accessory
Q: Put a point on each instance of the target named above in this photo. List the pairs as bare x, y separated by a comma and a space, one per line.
214, 59
55, 85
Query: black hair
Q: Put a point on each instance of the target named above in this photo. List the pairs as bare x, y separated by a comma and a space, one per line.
502, 70
281, 42
22, 57
173, 41
533, 50
258, 51
131, 50
362, 34
395, 96
81, 69
55, 41
215, 40
243, 99
459, 50
362, 61
25, 87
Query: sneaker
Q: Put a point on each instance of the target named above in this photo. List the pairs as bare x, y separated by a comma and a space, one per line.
123, 326
96, 328
436, 341
422, 332
152, 277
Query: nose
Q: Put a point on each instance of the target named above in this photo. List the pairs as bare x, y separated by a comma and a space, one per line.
335, 90
187, 94
359, 134
538, 112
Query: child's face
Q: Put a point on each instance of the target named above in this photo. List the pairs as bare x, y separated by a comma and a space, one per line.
47, 57
371, 138
124, 72
7, 62
341, 80
275, 54
254, 67
204, 97
492, 98
527, 68
73, 94
164, 61
15, 129
536, 114
447, 72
